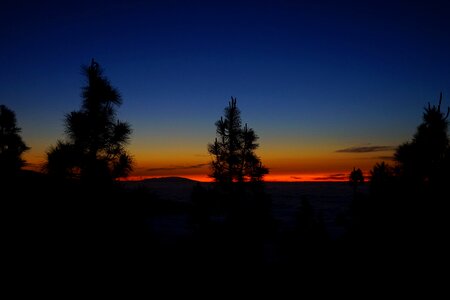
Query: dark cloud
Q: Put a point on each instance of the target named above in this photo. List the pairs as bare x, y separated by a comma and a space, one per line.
139, 168
177, 168
340, 176
365, 149
296, 178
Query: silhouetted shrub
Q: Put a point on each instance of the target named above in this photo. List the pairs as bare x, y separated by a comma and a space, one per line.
356, 178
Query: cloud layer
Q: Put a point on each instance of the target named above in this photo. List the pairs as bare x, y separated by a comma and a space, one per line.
365, 149
339, 177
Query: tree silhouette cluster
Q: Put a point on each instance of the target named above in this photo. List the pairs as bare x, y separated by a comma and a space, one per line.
422, 162
408, 201
95, 146
233, 151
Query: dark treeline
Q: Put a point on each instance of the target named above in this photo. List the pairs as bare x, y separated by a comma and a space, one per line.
407, 207
75, 214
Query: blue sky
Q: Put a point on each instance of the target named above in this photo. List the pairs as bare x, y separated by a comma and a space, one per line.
309, 76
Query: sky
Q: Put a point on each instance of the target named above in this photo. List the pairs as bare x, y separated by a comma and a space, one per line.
327, 85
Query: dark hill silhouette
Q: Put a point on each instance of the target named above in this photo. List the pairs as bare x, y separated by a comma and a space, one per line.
172, 179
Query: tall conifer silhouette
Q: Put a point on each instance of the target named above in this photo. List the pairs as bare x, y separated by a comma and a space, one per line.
96, 140
233, 151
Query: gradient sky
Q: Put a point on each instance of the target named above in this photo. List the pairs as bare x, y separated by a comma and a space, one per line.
323, 83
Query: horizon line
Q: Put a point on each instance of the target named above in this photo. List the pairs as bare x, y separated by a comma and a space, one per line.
322, 177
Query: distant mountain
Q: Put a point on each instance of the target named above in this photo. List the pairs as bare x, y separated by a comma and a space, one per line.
169, 180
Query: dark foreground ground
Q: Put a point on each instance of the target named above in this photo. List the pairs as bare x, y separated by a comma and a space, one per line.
156, 228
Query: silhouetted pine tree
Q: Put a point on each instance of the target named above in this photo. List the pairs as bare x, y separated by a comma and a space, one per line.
11, 144
239, 196
234, 150
95, 146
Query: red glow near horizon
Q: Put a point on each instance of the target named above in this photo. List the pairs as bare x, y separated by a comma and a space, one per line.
318, 177
293, 177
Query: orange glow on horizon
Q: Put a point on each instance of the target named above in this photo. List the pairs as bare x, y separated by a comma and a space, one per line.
312, 168
196, 177
317, 177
